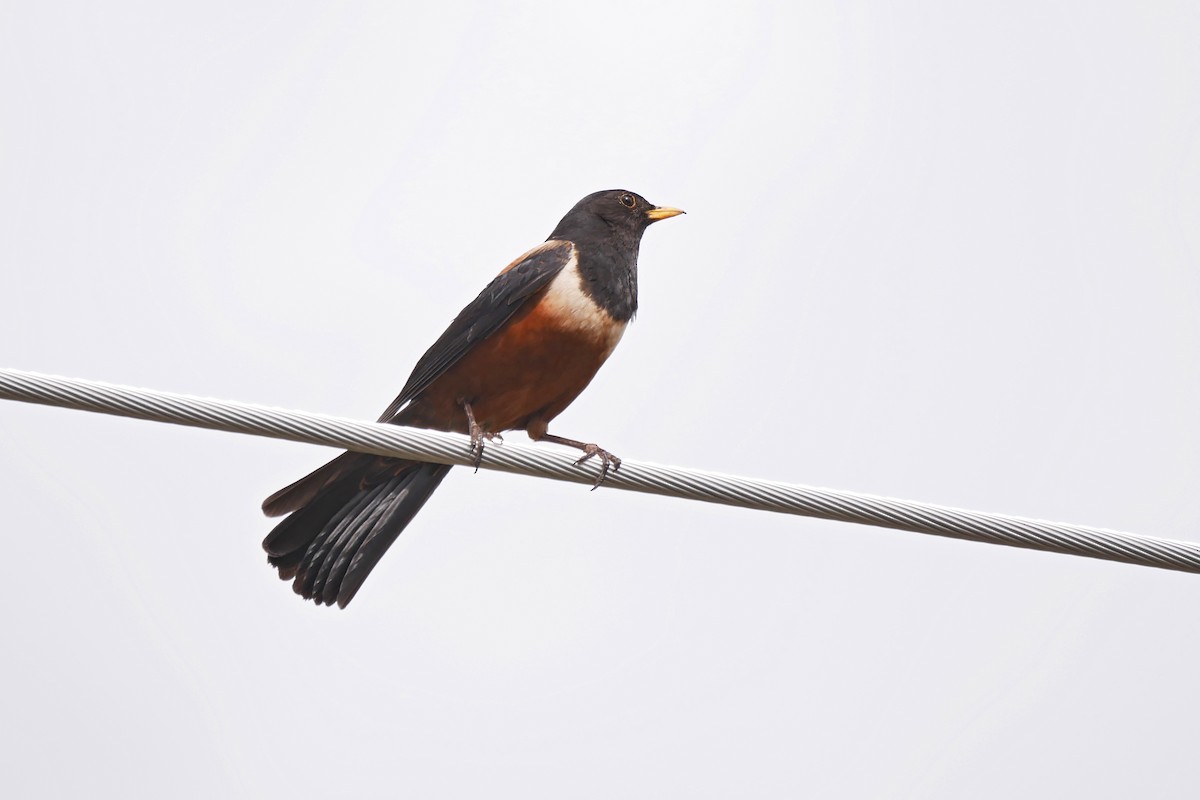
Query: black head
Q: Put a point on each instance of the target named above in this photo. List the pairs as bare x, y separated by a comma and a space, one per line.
614, 213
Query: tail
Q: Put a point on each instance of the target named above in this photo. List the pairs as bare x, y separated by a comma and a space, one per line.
344, 517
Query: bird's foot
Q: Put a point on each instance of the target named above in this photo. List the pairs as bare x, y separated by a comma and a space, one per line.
478, 435
607, 460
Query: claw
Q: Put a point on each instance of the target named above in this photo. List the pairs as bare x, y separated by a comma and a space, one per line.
478, 434
607, 459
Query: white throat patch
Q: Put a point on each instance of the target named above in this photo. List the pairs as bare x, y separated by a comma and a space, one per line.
575, 310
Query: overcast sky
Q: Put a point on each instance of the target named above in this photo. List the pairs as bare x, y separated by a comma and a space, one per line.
943, 251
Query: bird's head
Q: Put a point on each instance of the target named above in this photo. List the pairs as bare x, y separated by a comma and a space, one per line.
618, 210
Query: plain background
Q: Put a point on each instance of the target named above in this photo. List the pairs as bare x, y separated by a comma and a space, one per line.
941, 251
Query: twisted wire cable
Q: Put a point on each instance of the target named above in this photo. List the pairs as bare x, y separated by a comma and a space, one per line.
689, 484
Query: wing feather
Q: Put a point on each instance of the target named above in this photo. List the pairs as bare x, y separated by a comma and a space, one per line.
485, 315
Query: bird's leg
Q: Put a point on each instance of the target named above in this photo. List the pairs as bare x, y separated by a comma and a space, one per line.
607, 459
478, 434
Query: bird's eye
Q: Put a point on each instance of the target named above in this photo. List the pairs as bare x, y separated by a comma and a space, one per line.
628, 201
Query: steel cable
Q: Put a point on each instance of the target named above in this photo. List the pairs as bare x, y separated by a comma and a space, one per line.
548, 462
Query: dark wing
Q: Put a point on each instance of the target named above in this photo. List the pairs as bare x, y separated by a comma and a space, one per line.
486, 314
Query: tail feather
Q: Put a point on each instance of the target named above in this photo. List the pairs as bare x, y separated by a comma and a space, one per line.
295, 532
367, 550
344, 517
304, 491
318, 557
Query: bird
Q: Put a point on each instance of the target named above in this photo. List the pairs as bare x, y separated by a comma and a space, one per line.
514, 358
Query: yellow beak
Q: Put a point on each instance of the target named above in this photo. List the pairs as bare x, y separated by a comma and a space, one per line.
663, 212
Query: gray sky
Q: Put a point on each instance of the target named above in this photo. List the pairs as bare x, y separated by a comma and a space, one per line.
945, 253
